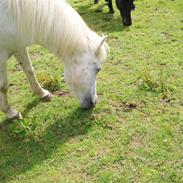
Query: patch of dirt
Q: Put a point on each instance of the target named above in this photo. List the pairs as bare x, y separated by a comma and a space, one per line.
136, 141
125, 106
166, 100
62, 93
118, 62
131, 105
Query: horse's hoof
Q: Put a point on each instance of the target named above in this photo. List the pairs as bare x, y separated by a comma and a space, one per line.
111, 11
18, 116
47, 97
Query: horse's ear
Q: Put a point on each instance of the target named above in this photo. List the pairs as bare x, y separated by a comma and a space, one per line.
100, 45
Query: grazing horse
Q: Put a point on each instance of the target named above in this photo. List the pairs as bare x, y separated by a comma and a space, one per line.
56, 26
125, 7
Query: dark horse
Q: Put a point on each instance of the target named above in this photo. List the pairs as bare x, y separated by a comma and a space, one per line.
125, 7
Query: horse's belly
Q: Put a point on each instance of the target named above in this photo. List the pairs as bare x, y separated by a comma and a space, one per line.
7, 29
7, 41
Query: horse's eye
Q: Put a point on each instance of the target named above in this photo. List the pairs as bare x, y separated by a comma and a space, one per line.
98, 69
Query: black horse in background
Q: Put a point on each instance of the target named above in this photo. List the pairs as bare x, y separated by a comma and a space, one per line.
125, 7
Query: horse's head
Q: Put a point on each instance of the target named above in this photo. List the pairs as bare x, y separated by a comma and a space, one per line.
81, 74
125, 7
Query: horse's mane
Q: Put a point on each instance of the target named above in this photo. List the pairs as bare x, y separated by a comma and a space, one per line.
51, 22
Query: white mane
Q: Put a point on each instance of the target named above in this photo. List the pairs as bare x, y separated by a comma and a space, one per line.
51, 22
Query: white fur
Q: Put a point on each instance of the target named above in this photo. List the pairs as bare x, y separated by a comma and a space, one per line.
54, 25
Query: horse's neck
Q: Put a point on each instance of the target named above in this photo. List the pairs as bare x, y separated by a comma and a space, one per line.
53, 24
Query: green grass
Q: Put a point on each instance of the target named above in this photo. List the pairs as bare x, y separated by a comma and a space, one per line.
135, 133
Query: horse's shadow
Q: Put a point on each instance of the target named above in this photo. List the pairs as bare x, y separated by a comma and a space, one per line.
20, 156
100, 21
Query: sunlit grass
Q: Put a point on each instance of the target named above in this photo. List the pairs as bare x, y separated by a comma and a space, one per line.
134, 134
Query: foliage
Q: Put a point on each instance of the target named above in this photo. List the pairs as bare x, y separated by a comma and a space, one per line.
49, 82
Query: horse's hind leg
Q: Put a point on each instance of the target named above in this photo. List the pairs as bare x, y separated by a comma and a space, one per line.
4, 106
25, 62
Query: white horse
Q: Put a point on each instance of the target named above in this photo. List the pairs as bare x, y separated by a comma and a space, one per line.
58, 27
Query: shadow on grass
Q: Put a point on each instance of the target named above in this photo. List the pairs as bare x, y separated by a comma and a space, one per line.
17, 157
31, 105
100, 21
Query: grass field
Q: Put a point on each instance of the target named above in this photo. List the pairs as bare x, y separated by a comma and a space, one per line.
134, 134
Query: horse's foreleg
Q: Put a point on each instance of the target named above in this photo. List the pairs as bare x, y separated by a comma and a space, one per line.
4, 106
25, 62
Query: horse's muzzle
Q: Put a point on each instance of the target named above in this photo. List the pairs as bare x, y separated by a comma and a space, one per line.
87, 103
